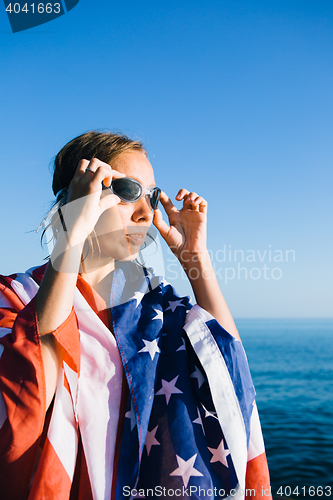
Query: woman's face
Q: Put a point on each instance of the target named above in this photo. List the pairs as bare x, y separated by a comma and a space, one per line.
121, 230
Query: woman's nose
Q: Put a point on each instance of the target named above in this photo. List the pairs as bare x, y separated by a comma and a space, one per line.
143, 211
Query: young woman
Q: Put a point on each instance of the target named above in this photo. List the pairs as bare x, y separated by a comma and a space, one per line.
113, 386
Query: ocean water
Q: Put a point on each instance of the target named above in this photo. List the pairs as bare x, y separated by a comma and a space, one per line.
291, 362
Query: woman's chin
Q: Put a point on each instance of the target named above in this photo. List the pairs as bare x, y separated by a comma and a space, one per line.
128, 258
124, 251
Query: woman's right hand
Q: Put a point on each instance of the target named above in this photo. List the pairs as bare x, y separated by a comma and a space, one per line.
54, 300
85, 201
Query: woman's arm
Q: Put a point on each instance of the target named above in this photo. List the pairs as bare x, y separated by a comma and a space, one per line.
186, 236
207, 292
54, 299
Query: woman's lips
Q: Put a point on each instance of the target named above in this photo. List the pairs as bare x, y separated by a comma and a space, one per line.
136, 238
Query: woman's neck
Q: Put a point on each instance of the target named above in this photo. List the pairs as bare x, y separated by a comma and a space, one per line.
99, 278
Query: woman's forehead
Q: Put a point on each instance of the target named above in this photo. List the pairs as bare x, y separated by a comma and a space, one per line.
136, 165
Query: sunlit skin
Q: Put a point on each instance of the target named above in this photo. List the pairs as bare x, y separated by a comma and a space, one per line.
120, 228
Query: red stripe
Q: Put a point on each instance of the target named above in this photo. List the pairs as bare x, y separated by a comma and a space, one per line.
121, 421
81, 488
51, 481
68, 336
39, 272
257, 478
22, 383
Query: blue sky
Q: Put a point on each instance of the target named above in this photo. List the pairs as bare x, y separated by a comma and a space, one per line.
232, 100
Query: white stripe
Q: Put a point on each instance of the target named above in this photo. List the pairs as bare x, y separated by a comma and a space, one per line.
256, 445
72, 379
4, 302
62, 432
4, 331
25, 287
221, 387
100, 384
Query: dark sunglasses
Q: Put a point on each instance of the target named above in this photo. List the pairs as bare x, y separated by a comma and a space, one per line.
130, 190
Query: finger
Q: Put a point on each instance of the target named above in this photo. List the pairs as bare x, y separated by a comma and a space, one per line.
160, 224
101, 175
104, 174
82, 166
167, 204
89, 167
203, 206
191, 197
196, 201
109, 202
181, 194
189, 201
93, 165
117, 174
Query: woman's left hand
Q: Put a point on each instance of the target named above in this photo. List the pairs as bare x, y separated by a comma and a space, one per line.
186, 233
186, 236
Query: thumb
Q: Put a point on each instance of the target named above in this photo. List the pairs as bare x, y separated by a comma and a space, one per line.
108, 201
160, 224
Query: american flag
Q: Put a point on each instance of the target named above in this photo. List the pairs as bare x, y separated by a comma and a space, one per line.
190, 428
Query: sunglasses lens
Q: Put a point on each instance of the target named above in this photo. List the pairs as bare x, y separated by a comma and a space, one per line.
126, 189
154, 198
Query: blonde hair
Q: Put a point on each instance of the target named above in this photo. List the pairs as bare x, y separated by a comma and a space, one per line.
106, 146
